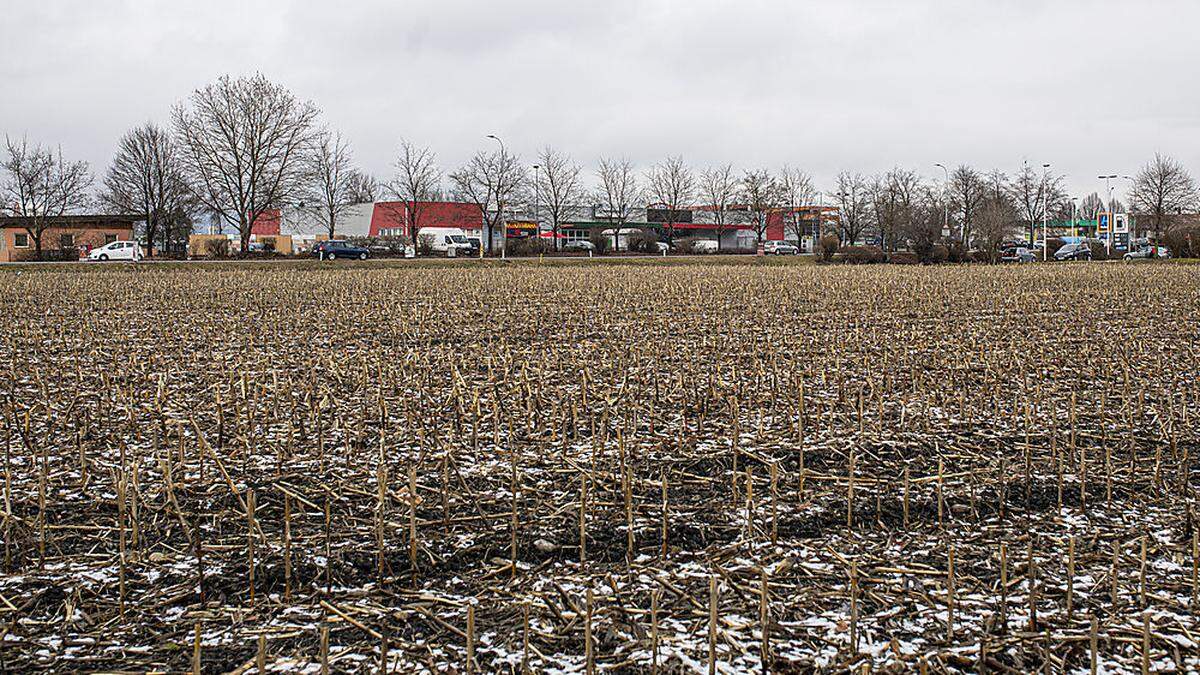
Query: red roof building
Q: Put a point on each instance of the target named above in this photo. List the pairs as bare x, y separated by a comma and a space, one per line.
392, 218
267, 223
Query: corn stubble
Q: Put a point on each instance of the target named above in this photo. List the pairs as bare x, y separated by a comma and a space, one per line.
623, 468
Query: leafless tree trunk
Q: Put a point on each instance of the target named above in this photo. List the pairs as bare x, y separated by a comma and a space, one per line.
559, 187
761, 195
490, 181
147, 178
332, 181
1162, 190
1035, 194
719, 188
417, 182
797, 190
852, 197
244, 143
893, 199
619, 192
967, 191
40, 185
672, 186
996, 222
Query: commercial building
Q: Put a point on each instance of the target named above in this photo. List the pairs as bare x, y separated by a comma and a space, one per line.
62, 238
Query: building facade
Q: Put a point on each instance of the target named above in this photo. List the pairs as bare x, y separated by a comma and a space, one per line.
62, 238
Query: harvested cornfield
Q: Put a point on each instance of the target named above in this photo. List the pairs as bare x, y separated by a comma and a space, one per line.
618, 468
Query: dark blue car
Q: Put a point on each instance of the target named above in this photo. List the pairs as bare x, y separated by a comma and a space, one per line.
336, 248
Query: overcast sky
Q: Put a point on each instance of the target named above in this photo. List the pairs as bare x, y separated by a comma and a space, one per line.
1090, 86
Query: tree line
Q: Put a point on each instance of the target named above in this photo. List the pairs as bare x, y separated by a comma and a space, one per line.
240, 147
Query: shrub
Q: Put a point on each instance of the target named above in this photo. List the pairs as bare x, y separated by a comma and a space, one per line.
936, 255
216, 248
643, 241
425, 244
828, 246
1100, 251
903, 258
860, 255
600, 241
528, 246
1183, 242
956, 252
687, 245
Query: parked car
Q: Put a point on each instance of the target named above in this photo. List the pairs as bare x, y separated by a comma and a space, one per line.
1080, 251
1148, 253
579, 245
705, 246
780, 248
337, 248
117, 250
1017, 254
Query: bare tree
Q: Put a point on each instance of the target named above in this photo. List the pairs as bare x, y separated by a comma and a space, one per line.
893, 198
147, 178
1091, 206
1036, 194
761, 195
333, 181
996, 222
417, 181
619, 192
363, 188
559, 187
719, 188
852, 197
244, 142
967, 192
796, 188
1162, 190
39, 185
672, 186
490, 180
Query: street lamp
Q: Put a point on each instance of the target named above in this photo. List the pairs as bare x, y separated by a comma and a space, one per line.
1045, 213
1108, 234
945, 200
500, 204
1074, 216
537, 205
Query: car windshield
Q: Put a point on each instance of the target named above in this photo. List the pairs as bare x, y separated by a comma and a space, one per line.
458, 239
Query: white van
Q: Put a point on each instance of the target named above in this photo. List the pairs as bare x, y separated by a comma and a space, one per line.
442, 239
705, 246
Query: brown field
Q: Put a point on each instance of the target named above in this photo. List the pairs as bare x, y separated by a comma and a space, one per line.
600, 467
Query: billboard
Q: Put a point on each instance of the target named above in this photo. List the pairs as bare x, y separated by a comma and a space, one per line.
1103, 224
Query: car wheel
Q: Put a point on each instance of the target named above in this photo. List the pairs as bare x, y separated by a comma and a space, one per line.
362, 256
331, 256
103, 257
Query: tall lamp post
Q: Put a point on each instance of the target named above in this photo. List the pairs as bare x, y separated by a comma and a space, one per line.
1045, 213
1132, 225
945, 200
500, 202
537, 205
1109, 234
1074, 216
